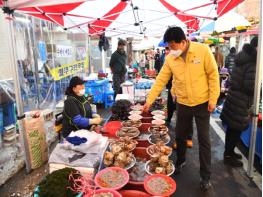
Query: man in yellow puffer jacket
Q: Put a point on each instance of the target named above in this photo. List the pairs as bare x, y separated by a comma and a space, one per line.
196, 88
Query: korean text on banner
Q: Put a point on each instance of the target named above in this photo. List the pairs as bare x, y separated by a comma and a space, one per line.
68, 69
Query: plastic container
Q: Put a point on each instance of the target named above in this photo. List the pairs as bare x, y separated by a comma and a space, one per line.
168, 179
158, 122
135, 117
159, 117
157, 112
97, 89
165, 143
133, 193
158, 154
111, 128
135, 112
128, 88
9, 114
146, 114
144, 129
139, 152
143, 143
99, 191
120, 170
147, 117
150, 173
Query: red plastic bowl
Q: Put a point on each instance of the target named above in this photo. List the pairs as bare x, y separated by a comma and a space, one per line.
167, 178
115, 193
133, 193
145, 127
123, 171
143, 143
147, 119
146, 114
141, 152
111, 128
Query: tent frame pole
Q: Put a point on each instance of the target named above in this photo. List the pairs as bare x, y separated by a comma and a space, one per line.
20, 110
257, 90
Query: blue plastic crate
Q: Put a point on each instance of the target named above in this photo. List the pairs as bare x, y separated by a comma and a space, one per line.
97, 92
1, 120
97, 89
245, 137
9, 114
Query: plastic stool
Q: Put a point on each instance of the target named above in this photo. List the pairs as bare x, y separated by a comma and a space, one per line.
109, 99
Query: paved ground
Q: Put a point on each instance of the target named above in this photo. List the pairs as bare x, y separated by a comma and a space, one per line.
227, 182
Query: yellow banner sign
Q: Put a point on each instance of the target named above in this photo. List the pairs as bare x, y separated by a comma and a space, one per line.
67, 70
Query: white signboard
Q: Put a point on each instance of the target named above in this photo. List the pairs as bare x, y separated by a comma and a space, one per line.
64, 51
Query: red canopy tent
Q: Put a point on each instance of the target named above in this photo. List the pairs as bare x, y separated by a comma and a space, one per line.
99, 18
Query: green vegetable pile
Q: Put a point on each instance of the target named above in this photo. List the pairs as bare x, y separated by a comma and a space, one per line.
57, 184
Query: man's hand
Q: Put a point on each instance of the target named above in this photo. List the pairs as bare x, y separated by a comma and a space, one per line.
174, 97
146, 107
211, 107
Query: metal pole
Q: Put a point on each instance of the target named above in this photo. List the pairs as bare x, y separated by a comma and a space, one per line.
20, 110
87, 59
35, 61
258, 81
89, 54
103, 60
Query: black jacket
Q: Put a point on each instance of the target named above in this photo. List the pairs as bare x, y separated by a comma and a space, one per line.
230, 61
118, 63
235, 112
157, 63
74, 106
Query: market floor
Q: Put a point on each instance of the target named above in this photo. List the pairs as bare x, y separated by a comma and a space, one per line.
226, 181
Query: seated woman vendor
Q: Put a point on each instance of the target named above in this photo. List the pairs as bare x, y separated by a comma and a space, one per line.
77, 112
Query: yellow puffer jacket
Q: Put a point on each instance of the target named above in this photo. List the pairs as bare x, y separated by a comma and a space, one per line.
195, 81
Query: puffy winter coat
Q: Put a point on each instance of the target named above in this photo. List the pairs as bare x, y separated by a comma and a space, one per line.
235, 112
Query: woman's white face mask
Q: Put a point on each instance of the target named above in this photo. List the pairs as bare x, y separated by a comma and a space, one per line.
81, 92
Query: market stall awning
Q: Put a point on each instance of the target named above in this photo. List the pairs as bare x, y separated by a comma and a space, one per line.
131, 18
225, 23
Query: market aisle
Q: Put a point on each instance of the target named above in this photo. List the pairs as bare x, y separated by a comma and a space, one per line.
226, 181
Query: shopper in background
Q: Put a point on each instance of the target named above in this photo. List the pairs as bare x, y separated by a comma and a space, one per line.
118, 67
196, 87
224, 85
235, 112
230, 59
219, 58
142, 63
157, 61
77, 113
